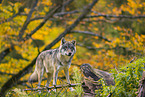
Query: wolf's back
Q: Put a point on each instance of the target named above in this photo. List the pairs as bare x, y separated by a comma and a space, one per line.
33, 77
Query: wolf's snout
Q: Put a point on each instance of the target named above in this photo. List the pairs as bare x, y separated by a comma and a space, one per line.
69, 54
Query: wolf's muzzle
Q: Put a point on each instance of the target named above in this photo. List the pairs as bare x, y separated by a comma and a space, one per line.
69, 54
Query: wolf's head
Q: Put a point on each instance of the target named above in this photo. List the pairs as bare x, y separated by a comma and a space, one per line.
67, 48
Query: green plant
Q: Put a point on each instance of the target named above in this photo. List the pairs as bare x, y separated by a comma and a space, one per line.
126, 80
77, 80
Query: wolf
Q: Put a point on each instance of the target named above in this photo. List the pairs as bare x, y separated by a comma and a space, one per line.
52, 61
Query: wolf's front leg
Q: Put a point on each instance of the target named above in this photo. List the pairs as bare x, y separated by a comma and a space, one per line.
55, 74
66, 71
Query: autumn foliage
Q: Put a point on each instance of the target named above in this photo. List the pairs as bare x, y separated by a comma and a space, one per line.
117, 27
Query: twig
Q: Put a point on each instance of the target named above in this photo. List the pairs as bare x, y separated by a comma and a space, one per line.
10, 18
132, 60
53, 87
110, 94
37, 18
6, 52
1, 73
24, 84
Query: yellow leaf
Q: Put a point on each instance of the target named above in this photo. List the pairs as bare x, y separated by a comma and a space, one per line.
96, 29
111, 53
117, 40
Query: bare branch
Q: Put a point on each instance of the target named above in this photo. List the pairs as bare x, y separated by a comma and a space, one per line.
88, 47
65, 13
90, 33
115, 16
56, 14
5, 52
27, 20
37, 18
52, 87
102, 20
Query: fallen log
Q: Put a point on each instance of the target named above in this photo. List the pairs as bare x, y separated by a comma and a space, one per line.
91, 79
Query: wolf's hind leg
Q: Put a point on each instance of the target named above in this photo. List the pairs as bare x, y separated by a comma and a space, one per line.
67, 75
49, 77
40, 75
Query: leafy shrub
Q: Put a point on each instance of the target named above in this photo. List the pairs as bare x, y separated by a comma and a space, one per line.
126, 80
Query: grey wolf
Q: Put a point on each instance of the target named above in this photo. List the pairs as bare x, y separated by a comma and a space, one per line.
52, 61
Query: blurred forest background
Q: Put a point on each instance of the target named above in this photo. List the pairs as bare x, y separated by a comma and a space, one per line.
109, 35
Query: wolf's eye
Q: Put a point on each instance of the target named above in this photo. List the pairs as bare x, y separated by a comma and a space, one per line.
72, 48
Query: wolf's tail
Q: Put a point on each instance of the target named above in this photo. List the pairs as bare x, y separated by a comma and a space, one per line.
33, 77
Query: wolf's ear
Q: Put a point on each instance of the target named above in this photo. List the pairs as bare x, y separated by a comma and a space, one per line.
73, 42
62, 41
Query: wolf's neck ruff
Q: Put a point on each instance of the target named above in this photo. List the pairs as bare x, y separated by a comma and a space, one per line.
64, 59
